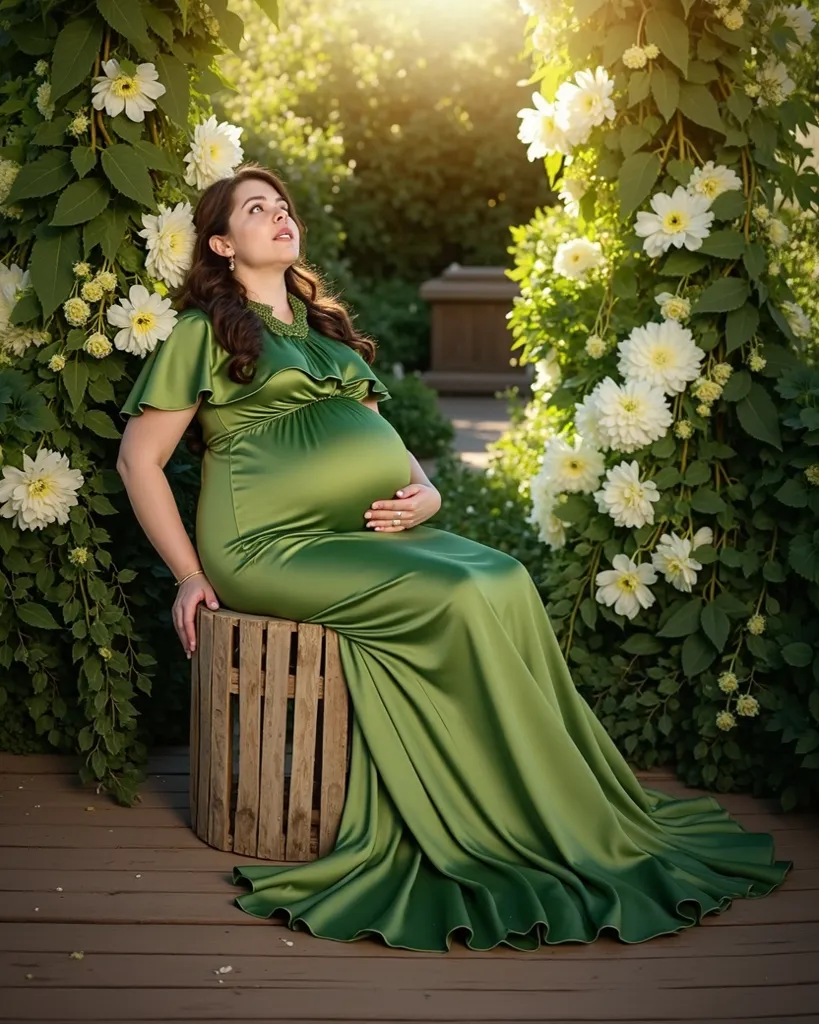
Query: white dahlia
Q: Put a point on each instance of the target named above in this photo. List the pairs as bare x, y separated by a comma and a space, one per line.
551, 530
575, 258
585, 103
13, 281
672, 557
115, 91
145, 318
40, 493
214, 153
711, 181
661, 354
571, 192
673, 307
801, 20
587, 421
777, 232
169, 238
547, 372
680, 219
626, 498
541, 129
572, 468
630, 415
774, 83
18, 339
626, 586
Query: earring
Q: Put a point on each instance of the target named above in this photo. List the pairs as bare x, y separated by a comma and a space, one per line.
231, 264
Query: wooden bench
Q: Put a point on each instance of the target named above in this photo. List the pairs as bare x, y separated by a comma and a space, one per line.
269, 736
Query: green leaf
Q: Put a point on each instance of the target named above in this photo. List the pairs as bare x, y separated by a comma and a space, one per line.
107, 230
740, 326
793, 494
728, 206
231, 25
707, 501
665, 87
37, 615
155, 158
702, 72
75, 50
680, 170
803, 556
632, 137
684, 621
697, 473
52, 260
642, 643
52, 133
665, 447
49, 173
716, 625
722, 295
738, 386
740, 105
75, 380
697, 655
638, 87
271, 8
159, 22
758, 416
667, 477
84, 160
698, 105
126, 129
583, 9
670, 33
754, 259
175, 102
128, 173
101, 423
635, 180
26, 309
683, 262
126, 18
725, 244
798, 654
80, 202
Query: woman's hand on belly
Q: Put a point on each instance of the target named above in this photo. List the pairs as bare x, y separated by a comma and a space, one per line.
411, 506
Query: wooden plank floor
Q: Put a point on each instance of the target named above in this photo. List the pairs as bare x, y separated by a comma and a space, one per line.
148, 907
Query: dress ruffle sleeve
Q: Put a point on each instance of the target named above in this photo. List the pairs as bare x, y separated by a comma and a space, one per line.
179, 369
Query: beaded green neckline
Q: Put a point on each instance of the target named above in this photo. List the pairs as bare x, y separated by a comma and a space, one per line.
298, 329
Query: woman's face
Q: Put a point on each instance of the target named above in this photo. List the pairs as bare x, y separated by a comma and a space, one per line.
261, 232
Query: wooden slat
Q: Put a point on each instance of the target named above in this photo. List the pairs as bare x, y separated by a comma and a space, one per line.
194, 722
290, 688
246, 824
333, 745
118, 855
308, 670
202, 765
221, 766
274, 734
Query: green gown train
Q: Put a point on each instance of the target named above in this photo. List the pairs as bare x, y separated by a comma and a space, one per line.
485, 800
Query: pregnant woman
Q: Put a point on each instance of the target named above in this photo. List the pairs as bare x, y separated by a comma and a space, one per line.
485, 800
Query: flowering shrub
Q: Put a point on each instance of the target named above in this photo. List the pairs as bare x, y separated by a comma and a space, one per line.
97, 171
678, 499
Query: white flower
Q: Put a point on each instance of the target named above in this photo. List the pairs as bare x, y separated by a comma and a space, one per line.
673, 307
41, 68
9, 169
92, 291
573, 259
572, 468
630, 415
571, 192
703, 536
98, 346
13, 281
774, 83
733, 20
661, 354
170, 238
777, 232
587, 421
547, 372
652, 51
634, 57
673, 558
145, 318
43, 100
626, 498
797, 319
711, 181
79, 124
586, 104
77, 311
41, 492
551, 530
214, 153
541, 130
679, 220
595, 346
800, 20
135, 94
626, 586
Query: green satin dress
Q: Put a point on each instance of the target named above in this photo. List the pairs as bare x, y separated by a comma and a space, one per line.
485, 800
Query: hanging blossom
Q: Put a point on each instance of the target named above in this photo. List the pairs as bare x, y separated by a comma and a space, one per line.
547, 372
672, 557
626, 498
542, 130
773, 84
673, 307
664, 355
116, 92
712, 180
551, 529
40, 493
571, 467
628, 416
680, 219
214, 154
575, 258
579, 107
625, 586
145, 318
170, 237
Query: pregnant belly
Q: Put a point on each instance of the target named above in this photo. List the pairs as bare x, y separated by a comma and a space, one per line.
317, 468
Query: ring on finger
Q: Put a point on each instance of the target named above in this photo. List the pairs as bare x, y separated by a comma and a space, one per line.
396, 522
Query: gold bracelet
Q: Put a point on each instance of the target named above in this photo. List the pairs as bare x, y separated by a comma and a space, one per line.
180, 582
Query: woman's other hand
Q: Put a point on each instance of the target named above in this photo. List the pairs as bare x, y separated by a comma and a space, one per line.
190, 594
411, 506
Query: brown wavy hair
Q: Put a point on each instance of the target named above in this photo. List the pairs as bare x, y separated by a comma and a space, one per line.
210, 286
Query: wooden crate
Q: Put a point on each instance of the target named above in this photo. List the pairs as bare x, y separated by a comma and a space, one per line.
269, 736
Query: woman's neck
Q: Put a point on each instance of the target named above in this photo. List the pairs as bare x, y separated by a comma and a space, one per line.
270, 290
